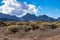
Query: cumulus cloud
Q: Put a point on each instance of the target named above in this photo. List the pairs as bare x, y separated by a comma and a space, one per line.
13, 7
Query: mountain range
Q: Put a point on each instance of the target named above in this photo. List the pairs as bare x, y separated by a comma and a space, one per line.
32, 17
6, 17
27, 17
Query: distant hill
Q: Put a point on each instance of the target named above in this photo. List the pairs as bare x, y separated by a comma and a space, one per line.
6, 17
32, 17
27, 17
58, 19
46, 18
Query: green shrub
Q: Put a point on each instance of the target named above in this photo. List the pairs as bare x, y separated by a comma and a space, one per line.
28, 28
10, 23
52, 26
58, 24
35, 27
5, 39
13, 28
22, 23
32, 23
2, 23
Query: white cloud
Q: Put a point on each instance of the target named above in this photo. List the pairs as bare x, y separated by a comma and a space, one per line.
13, 7
32, 8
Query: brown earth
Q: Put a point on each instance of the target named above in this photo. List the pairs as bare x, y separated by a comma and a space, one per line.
48, 34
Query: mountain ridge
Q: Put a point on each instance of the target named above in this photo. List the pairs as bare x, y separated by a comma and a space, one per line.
28, 17
8, 17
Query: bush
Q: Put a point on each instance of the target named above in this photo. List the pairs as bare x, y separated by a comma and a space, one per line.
58, 24
10, 23
2, 23
32, 23
28, 28
52, 26
5, 39
13, 29
22, 23
35, 27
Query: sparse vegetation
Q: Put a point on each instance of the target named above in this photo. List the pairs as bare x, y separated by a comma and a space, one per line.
13, 28
5, 39
50, 26
32, 23
10, 23
2, 24
30, 29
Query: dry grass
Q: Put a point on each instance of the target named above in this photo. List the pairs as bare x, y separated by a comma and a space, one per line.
30, 31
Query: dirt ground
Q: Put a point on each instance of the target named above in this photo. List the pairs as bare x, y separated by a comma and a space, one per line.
32, 35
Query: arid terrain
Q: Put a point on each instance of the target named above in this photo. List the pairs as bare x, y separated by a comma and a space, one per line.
29, 31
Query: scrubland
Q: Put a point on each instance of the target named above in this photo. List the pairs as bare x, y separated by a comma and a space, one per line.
29, 30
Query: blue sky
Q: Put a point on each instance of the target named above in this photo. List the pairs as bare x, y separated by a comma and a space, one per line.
49, 7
